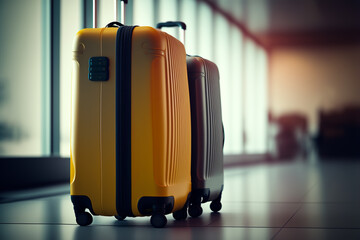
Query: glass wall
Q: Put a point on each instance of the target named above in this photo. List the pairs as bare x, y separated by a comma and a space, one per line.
167, 11
23, 94
255, 98
250, 97
188, 14
106, 12
68, 29
143, 13
235, 113
221, 58
262, 117
205, 34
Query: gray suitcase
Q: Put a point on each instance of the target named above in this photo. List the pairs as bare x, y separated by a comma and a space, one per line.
207, 171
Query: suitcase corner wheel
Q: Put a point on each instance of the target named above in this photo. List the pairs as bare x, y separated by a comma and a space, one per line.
182, 213
158, 218
81, 203
84, 219
120, 218
195, 209
216, 205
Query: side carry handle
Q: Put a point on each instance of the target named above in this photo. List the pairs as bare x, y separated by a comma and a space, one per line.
114, 24
179, 24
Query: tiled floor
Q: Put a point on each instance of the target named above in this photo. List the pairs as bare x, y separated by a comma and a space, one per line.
289, 200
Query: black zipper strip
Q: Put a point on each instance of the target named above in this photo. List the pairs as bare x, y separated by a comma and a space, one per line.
123, 120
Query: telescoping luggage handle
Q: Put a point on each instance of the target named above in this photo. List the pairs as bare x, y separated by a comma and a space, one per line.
122, 7
181, 25
116, 12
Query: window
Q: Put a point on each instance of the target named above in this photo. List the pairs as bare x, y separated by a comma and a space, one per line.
235, 92
250, 98
106, 12
188, 14
221, 58
255, 110
262, 117
143, 13
168, 12
68, 29
205, 31
24, 92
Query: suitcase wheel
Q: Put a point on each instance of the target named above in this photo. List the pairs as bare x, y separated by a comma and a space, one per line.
195, 210
215, 206
158, 220
84, 219
180, 215
120, 218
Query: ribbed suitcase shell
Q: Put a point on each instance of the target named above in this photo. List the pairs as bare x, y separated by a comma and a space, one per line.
207, 130
160, 122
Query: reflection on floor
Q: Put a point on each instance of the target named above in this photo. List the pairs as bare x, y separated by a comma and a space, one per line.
289, 200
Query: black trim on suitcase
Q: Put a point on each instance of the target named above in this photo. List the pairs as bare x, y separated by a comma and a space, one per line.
80, 203
123, 120
204, 195
148, 205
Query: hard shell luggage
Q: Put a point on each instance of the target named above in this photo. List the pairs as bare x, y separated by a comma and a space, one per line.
130, 124
207, 174
207, 171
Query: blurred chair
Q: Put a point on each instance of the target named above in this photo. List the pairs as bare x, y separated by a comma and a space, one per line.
290, 136
339, 133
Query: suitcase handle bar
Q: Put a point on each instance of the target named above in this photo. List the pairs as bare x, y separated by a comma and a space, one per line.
122, 3
114, 24
95, 13
179, 24
122, 10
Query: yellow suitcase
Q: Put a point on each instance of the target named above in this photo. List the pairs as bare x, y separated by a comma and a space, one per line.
130, 124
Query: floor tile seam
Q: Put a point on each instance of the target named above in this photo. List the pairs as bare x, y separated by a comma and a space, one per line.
297, 210
291, 217
326, 228
247, 226
215, 226
147, 226
272, 202
211, 222
74, 224
333, 202
308, 191
12, 223
275, 234
233, 226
